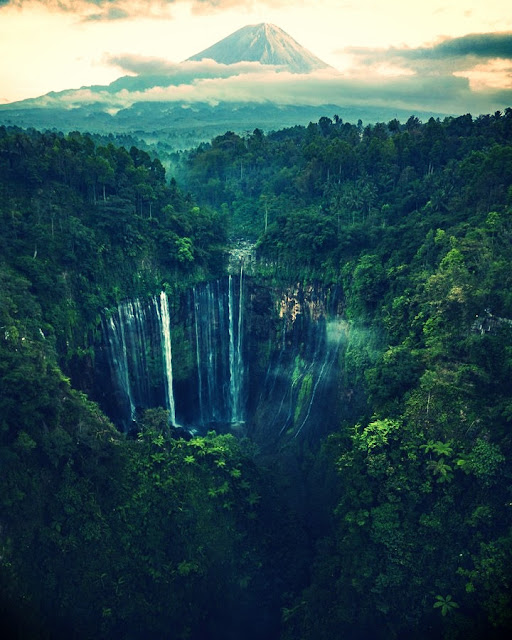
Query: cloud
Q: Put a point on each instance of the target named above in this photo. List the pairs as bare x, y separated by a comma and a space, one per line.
258, 84
112, 10
201, 7
448, 55
480, 45
157, 73
100, 10
110, 13
435, 88
443, 77
187, 70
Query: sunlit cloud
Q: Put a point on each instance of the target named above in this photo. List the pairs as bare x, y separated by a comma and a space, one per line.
449, 54
492, 74
100, 10
112, 10
484, 59
201, 7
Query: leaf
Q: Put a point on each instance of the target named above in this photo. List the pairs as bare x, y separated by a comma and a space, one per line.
446, 604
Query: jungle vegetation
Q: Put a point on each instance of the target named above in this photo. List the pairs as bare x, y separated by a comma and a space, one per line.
396, 525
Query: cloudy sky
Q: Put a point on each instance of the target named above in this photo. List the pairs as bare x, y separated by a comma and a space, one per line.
453, 56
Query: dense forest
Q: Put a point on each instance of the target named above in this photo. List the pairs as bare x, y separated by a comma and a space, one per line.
394, 521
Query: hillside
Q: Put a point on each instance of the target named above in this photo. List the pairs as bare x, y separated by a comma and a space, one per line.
335, 460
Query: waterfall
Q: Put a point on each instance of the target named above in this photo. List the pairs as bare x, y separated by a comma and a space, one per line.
138, 345
135, 325
236, 364
239, 371
137, 337
162, 307
217, 309
292, 394
129, 334
207, 320
232, 350
195, 311
118, 360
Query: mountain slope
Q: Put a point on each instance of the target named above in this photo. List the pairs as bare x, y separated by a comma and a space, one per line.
264, 43
183, 104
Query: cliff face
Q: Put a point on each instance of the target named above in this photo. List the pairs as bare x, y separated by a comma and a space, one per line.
245, 356
298, 337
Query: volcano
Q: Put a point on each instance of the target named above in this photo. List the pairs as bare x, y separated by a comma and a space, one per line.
264, 43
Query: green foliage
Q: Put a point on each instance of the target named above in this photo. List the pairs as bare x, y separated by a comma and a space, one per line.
375, 435
303, 396
441, 470
174, 520
414, 223
88, 225
320, 195
485, 461
439, 448
445, 604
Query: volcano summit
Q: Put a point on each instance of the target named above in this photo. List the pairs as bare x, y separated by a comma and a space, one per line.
263, 43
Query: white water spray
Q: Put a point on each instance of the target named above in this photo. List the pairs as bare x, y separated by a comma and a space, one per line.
165, 324
236, 365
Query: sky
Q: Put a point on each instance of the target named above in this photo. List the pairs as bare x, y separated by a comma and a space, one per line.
453, 56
